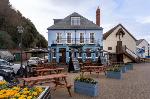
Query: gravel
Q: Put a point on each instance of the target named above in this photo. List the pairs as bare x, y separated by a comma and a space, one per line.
134, 85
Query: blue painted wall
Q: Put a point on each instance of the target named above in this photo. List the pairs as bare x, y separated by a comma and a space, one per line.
74, 33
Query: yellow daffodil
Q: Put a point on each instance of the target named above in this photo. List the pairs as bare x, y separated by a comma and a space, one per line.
29, 97
34, 94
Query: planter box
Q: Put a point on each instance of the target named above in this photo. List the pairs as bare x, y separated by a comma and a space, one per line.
45, 94
129, 66
115, 75
123, 69
86, 88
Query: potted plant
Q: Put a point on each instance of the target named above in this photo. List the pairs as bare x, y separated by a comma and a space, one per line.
129, 66
86, 86
123, 68
114, 72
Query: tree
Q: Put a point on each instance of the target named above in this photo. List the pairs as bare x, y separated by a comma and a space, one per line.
5, 40
10, 18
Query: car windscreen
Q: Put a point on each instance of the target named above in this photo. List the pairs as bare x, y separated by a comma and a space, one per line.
4, 63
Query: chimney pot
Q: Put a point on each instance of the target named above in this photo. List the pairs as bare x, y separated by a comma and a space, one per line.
98, 16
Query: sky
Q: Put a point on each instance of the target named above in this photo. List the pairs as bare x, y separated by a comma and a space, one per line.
134, 15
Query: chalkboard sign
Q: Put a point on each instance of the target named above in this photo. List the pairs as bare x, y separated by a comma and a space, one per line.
76, 64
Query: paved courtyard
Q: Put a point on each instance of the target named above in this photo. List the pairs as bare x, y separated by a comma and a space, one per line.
134, 85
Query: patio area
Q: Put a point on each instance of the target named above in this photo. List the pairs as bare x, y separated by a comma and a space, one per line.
134, 85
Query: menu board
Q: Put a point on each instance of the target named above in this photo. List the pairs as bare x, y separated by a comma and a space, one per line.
76, 64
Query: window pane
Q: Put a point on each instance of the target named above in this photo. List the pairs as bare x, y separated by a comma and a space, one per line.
58, 37
68, 37
75, 20
91, 37
81, 37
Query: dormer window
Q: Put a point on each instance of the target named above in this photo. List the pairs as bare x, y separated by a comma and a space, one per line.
75, 20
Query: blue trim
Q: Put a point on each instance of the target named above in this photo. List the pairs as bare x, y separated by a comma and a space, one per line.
76, 29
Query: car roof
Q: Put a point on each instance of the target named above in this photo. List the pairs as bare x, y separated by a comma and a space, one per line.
2, 60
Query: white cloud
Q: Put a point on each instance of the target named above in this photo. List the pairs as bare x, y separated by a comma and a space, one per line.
143, 20
133, 14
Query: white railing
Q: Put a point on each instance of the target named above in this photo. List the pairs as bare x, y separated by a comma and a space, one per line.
75, 41
130, 52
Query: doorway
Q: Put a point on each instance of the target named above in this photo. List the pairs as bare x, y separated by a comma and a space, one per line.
62, 55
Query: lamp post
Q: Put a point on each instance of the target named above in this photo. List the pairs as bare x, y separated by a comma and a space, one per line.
20, 30
148, 51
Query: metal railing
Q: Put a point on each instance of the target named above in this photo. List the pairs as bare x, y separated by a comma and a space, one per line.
75, 41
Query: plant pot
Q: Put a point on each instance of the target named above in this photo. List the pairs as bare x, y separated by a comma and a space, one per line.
45, 94
129, 66
115, 75
123, 69
86, 88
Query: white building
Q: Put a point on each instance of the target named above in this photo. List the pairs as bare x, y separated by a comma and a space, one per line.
143, 48
120, 44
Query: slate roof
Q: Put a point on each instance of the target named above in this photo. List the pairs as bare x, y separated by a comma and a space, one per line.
139, 41
105, 35
66, 23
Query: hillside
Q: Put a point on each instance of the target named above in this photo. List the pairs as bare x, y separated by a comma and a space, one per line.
10, 18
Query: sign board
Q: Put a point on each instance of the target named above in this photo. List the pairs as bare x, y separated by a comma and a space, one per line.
76, 64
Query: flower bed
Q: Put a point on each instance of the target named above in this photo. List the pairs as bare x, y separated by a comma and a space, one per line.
16, 92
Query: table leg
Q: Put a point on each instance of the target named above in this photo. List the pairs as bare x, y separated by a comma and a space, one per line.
68, 86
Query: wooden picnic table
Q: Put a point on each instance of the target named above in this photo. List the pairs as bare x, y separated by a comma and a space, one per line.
54, 77
42, 71
96, 69
37, 68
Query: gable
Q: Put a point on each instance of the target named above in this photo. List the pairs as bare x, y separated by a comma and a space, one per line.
107, 34
142, 42
125, 37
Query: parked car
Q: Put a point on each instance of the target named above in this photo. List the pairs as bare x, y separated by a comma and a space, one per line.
7, 68
1, 78
45, 59
7, 75
34, 61
15, 67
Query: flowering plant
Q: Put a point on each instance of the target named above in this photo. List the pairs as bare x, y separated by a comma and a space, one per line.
86, 80
19, 93
3, 84
114, 69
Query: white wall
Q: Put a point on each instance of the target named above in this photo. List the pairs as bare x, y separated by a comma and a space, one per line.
126, 59
144, 43
111, 41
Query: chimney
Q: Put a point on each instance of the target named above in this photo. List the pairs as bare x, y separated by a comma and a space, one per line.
98, 16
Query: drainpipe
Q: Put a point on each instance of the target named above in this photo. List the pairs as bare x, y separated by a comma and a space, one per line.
75, 43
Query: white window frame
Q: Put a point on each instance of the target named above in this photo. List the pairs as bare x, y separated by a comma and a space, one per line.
90, 38
59, 41
70, 38
81, 38
75, 20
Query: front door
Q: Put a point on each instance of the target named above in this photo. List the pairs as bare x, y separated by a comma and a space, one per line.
62, 57
119, 57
